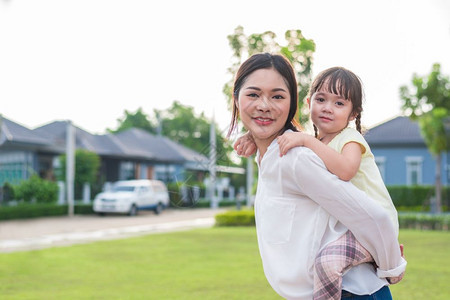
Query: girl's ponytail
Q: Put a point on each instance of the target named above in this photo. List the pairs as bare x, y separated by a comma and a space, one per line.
358, 122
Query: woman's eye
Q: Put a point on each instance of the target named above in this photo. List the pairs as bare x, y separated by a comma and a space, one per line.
252, 95
278, 97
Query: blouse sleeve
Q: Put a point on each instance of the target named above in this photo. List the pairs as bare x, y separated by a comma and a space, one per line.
366, 219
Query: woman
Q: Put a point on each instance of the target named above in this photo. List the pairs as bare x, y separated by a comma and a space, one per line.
300, 207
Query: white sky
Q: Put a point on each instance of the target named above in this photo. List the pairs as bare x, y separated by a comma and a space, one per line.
89, 60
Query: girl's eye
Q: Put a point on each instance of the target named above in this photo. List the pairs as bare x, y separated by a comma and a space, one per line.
339, 103
320, 99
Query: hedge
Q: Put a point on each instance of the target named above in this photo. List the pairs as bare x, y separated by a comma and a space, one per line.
417, 196
244, 217
424, 221
421, 221
28, 211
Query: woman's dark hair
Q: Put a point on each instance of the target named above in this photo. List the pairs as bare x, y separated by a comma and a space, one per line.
267, 61
343, 82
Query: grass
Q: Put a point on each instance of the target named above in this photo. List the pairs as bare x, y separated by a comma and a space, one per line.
214, 263
428, 272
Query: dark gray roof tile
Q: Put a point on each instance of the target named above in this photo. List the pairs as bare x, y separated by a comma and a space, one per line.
396, 132
132, 143
14, 133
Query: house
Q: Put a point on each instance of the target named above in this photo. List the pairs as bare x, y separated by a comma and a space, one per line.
402, 155
131, 154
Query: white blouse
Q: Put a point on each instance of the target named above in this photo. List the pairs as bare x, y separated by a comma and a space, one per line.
297, 205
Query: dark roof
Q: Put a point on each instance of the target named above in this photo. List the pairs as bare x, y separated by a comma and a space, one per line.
399, 131
133, 143
13, 133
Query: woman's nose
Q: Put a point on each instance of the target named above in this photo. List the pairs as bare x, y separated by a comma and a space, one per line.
263, 104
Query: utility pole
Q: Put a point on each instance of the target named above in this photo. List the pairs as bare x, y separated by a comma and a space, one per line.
212, 163
70, 166
249, 180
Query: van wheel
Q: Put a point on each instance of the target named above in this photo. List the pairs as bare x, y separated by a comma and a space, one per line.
133, 210
158, 208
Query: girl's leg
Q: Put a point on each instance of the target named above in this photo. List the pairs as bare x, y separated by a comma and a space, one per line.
333, 261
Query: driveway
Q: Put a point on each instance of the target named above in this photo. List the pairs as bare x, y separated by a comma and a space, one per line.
23, 235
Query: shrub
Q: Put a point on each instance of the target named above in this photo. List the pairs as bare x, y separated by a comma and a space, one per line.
8, 192
36, 189
87, 164
176, 196
236, 218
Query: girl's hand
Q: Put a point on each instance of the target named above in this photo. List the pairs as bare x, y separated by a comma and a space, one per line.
245, 145
289, 140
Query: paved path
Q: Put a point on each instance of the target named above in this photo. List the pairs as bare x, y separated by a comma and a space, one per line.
23, 235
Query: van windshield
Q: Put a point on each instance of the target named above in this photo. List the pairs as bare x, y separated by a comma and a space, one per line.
123, 188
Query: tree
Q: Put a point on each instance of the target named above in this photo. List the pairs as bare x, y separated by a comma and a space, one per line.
180, 124
87, 164
299, 51
429, 104
137, 120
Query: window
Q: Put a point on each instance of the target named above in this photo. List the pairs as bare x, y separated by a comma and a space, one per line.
381, 164
126, 171
165, 173
413, 170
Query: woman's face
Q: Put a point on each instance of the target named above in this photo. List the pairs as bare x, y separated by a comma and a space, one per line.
264, 103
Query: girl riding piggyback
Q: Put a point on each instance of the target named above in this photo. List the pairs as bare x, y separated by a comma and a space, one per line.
335, 100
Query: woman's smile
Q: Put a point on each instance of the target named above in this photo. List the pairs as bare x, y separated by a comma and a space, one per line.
263, 121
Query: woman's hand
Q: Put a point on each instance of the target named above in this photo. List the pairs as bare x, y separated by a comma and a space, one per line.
245, 145
394, 280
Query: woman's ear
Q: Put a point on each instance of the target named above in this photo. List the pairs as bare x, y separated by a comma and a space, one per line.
236, 101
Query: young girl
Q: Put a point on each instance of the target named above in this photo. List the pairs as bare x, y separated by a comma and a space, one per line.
335, 99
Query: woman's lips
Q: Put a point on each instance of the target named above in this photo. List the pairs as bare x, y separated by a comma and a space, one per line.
263, 121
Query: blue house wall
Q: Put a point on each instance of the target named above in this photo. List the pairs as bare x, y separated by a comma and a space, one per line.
397, 140
395, 172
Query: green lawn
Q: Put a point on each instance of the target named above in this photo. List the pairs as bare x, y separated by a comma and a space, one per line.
216, 263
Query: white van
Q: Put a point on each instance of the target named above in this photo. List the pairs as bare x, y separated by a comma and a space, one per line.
130, 196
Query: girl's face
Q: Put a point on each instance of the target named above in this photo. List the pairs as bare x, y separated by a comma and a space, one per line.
264, 103
330, 112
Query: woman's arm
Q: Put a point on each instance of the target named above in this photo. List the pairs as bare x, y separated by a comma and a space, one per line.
365, 218
344, 165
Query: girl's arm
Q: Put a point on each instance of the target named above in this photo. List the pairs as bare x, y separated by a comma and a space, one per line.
364, 217
245, 145
344, 165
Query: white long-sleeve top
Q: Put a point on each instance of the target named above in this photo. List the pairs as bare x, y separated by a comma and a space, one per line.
297, 205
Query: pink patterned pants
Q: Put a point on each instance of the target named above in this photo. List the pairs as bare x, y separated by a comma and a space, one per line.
333, 261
